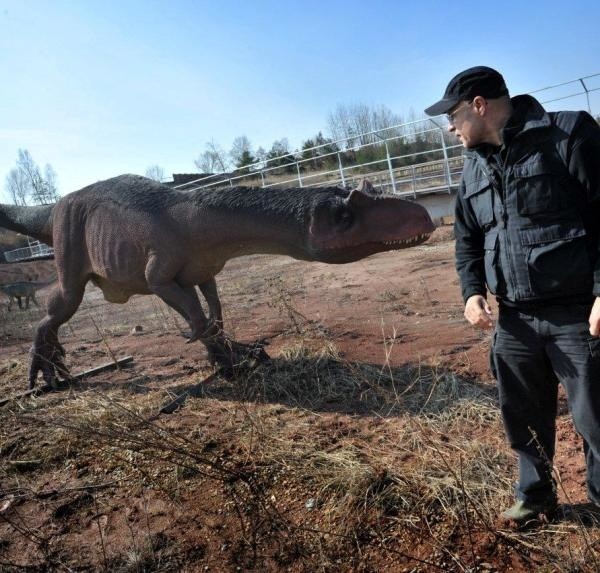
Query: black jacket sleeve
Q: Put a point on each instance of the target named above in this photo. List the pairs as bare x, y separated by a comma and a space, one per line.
584, 165
469, 248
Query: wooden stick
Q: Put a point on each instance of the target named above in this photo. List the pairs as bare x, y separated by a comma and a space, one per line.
85, 374
178, 401
103, 368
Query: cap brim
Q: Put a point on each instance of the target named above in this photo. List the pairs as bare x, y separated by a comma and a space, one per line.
442, 106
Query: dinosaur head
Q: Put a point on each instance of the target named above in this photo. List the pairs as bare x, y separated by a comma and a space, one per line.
348, 227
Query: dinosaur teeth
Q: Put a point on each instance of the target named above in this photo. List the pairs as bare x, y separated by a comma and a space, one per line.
408, 241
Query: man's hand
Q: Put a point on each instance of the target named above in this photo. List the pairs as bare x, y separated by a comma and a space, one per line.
595, 318
479, 313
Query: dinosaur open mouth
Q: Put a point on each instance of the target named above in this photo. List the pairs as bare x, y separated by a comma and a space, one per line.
409, 242
353, 252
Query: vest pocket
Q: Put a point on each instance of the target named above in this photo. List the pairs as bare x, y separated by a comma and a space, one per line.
490, 260
537, 183
557, 259
479, 195
594, 345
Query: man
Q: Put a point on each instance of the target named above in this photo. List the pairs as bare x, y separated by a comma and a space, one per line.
527, 228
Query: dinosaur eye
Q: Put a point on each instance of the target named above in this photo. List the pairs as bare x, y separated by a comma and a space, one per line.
343, 216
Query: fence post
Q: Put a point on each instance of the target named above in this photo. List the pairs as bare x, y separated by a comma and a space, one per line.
446, 164
262, 177
341, 169
414, 180
587, 95
389, 162
299, 177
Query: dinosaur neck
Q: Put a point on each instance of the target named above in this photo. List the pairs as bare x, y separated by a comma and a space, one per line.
256, 221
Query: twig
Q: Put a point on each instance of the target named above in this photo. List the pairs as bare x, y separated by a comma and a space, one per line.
100, 531
101, 334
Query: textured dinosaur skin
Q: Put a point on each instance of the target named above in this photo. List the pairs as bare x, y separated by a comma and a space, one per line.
22, 290
131, 235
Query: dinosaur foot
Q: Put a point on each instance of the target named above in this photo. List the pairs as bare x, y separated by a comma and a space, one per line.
48, 358
234, 357
200, 332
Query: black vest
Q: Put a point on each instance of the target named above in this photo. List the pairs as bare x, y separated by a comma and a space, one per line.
531, 210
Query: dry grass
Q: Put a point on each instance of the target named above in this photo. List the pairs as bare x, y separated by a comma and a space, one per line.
319, 463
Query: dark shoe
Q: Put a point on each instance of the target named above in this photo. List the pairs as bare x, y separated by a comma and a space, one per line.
587, 514
524, 511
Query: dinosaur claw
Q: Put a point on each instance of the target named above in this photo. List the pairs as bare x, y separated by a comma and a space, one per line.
48, 358
233, 357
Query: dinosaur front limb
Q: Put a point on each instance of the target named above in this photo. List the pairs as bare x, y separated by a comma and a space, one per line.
215, 313
227, 353
184, 300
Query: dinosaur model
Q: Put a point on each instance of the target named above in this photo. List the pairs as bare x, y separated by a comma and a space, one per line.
131, 235
22, 290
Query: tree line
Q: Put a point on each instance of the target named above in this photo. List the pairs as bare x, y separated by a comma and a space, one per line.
356, 134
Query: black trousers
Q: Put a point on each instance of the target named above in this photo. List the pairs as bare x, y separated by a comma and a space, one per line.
532, 352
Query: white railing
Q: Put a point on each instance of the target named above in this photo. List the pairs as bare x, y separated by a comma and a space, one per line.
35, 250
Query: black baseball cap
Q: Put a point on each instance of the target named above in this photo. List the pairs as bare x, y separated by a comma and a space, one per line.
478, 81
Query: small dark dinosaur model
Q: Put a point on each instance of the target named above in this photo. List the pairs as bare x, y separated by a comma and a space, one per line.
22, 290
131, 235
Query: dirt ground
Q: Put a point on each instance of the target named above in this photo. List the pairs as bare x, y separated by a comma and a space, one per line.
371, 442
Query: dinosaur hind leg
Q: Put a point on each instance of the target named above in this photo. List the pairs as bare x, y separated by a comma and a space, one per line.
47, 354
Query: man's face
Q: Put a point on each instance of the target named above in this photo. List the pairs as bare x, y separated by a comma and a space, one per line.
466, 124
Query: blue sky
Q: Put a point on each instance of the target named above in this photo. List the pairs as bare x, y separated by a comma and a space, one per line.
99, 88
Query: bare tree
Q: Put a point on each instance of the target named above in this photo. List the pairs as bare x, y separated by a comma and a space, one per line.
212, 160
25, 181
17, 186
354, 122
50, 181
28, 167
155, 172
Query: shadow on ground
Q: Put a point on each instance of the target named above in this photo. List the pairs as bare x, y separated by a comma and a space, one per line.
327, 383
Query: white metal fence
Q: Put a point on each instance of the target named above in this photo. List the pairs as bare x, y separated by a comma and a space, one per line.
432, 169
35, 250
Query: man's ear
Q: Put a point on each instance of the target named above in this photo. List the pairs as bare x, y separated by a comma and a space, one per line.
480, 105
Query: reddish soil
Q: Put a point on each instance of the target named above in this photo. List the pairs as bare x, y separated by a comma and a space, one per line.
90, 511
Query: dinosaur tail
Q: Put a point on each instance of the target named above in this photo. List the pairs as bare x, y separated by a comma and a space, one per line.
35, 221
